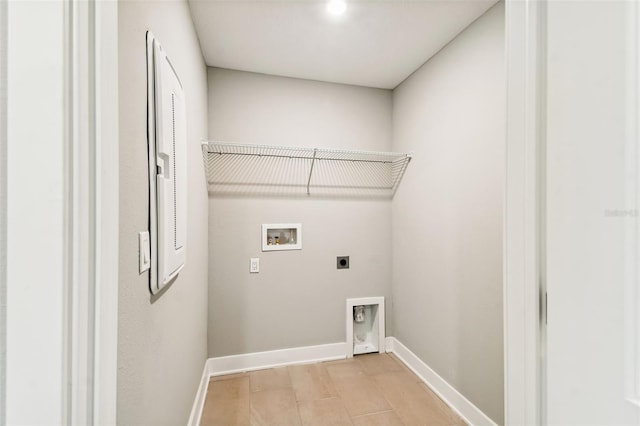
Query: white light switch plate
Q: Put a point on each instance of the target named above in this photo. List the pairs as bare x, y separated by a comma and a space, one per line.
255, 265
145, 251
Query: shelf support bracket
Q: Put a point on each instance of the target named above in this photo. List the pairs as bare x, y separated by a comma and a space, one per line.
313, 161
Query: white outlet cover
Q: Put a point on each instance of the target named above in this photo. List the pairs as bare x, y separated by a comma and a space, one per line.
145, 251
254, 268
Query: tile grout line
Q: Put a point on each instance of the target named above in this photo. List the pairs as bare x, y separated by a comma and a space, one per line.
373, 414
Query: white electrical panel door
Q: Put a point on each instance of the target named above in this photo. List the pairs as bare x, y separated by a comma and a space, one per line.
171, 173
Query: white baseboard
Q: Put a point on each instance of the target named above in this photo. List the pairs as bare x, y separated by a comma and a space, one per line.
332, 351
388, 344
278, 358
198, 403
454, 399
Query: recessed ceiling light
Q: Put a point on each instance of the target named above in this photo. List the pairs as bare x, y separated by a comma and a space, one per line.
337, 7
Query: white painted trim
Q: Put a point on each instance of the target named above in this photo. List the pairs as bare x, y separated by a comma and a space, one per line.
524, 192
3, 207
389, 344
454, 399
198, 403
79, 224
74, 216
91, 215
278, 358
107, 212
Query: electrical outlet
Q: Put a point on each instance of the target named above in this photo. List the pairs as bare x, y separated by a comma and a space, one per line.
342, 262
255, 265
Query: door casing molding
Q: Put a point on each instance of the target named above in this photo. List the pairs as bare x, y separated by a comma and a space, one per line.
91, 212
524, 223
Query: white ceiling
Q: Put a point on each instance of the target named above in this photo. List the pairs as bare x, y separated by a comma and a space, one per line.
374, 43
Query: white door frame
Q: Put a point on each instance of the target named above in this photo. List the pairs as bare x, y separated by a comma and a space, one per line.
92, 211
524, 199
107, 210
3, 206
89, 231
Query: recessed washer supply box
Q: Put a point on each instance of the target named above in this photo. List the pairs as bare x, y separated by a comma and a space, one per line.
367, 335
281, 236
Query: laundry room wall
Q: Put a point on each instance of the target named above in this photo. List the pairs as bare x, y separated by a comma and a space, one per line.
298, 297
447, 214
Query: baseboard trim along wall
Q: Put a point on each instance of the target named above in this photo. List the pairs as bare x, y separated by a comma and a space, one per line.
454, 399
198, 403
270, 359
308, 354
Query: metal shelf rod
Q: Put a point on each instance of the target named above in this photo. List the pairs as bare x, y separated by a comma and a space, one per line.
311, 171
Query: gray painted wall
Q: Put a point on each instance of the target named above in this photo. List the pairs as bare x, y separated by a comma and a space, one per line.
447, 213
161, 342
298, 298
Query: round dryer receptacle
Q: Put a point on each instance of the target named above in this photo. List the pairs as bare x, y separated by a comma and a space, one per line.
343, 262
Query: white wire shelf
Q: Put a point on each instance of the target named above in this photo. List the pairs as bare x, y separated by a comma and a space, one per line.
240, 169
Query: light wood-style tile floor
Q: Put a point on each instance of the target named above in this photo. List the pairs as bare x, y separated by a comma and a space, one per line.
375, 389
